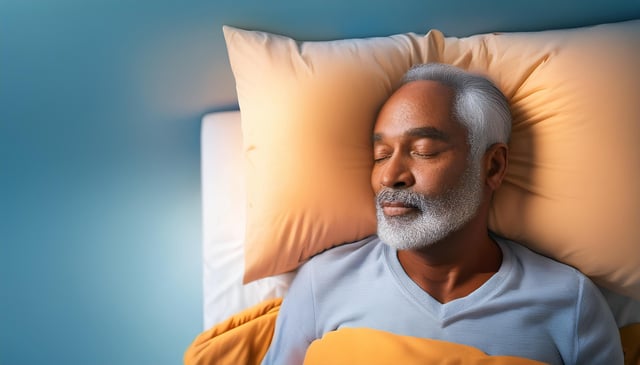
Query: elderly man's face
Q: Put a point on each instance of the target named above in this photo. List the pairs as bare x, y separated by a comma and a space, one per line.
426, 187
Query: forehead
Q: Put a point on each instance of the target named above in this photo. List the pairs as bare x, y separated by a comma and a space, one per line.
418, 104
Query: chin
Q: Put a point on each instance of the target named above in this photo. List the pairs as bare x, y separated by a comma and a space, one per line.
416, 232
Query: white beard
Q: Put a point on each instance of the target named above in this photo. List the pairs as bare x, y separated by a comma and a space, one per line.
437, 217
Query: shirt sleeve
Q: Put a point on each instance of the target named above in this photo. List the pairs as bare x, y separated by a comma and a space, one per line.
597, 335
296, 322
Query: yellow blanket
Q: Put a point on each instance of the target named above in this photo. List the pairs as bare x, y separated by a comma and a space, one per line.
242, 339
245, 338
373, 347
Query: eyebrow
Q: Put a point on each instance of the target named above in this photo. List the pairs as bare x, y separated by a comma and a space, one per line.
421, 132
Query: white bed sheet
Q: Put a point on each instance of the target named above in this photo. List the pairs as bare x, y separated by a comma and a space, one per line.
223, 212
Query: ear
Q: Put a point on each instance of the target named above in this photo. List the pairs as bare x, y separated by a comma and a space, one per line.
495, 164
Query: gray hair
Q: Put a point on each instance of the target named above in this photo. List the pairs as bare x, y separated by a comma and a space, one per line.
478, 105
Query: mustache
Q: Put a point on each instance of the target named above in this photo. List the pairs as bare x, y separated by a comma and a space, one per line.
406, 197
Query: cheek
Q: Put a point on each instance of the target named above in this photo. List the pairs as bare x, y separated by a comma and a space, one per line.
436, 180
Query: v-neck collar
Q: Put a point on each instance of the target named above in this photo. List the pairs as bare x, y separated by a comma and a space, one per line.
440, 311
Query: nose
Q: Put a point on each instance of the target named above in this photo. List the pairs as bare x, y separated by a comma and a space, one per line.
396, 173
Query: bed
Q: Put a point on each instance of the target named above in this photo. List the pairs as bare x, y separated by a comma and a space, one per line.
554, 106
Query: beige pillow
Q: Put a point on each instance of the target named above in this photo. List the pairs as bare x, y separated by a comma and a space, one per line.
571, 190
307, 112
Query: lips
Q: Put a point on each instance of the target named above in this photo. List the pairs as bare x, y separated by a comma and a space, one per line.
394, 208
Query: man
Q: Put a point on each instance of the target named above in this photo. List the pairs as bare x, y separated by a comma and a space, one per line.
434, 270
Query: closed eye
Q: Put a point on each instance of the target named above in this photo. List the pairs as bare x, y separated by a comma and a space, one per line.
381, 152
379, 159
425, 154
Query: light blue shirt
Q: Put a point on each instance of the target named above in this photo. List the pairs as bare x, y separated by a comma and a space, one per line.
533, 307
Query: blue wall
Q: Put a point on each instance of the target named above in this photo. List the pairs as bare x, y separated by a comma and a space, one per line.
100, 107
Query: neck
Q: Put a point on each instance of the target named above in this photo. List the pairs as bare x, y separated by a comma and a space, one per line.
456, 266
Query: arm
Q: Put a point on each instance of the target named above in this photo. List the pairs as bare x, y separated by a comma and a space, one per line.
295, 326
597, 335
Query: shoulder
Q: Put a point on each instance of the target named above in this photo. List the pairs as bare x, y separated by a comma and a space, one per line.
341, 267
556, 279
343, 257
530, 260
536, 271
551, 275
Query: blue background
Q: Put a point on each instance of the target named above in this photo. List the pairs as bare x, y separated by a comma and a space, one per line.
100, 108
